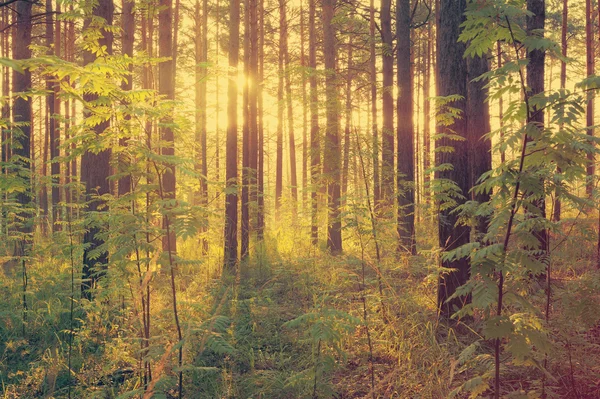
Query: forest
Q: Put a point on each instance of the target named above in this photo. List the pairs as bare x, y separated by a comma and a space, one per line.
299, 199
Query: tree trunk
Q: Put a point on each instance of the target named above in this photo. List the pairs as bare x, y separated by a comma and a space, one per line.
315, 141
245, 239
563, 82
304, 109
253, 75
166, 70
95, 167
280, 107
374, 128
405, 134
427, 113
535, 81
478, 125
589, 50
201, 53
55, 134
22, 114
331, 164
231, 200
288, 94
261, 154
348, 122
128, 32
451, 79
387, 168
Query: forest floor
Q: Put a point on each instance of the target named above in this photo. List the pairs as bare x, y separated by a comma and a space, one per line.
291, 326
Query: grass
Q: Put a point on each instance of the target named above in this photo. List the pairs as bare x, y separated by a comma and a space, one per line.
290, 325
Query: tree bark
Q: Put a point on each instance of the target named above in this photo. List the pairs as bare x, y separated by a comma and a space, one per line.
304, 109
201, 54
405, 133
427, 113
280, 107
331, 164
478, 125
288, 95
374, 127
245, 239
166, 70
260, 139
315, 140
563, 82
535, 81
451, 79
387, 168
127, 39
95, 167
589, 50
348, 122
22, 114
231, 198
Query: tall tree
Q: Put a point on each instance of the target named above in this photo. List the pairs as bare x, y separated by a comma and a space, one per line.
55, 133
201, 55
315, 147
535, 81
563, 83
387, 145
127, 41
451, 79
304, 108
288, 98
478, 125
331, 164
231, 174
21, 110
253, 77
280, 108
405, 132
260, 219
373, 81
95, 166
51, 125
589, 50
166, 82
245, 230
347, 119
427, 107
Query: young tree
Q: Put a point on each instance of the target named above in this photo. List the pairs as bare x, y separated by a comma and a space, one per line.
405, 132
95, 166
451, 80
231, 200
331, 164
